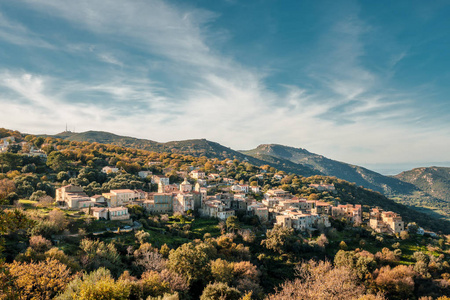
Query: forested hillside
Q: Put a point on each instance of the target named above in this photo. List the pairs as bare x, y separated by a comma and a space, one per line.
52, 252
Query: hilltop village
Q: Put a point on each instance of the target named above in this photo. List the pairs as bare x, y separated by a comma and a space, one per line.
277, 206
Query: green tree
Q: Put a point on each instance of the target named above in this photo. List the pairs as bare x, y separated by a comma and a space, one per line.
154, 285
38, 195
10, 160
13, 220
233, 223
62, 176
221, 270
57, 161
95, 254
99, 285
404, 235
220, 291
279, 239
189, 261
164, 251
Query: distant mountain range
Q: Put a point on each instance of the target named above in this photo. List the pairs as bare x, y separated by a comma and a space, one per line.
422, 187
432, 180
433, 184
325, 166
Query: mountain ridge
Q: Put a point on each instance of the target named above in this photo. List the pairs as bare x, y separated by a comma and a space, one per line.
195, 147
433, 185
352, 173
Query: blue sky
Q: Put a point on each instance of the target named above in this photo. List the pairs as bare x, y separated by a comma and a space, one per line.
364, 82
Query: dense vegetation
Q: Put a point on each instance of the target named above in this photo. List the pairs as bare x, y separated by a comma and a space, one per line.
51, 253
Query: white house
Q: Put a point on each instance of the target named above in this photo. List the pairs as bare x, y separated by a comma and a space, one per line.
240, 188
156, 179
256, 189
197, 174
118, 213
108, 170
119, 197
144, 174
100, 213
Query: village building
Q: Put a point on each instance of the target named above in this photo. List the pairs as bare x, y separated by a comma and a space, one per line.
255, 189
140, 194
196, 174
216, 209
99, 200
70, 195
213, 176
386, 221
202, 182
144, 174
278, 176
259, 176
284, 204
262, 213
278, 193
298, 220
118, 213
183, 202
323, 208
240, 188
85, 204
159, 203
156, 179
259, 210
119, 197
5, 142
36, 153
239, 204
229, 181
323, 187
108, 170
271, 202
100, 213
185, 186
169, 188
351, 212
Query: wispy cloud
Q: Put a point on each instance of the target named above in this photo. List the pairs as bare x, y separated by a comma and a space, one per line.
15, 33
153, 69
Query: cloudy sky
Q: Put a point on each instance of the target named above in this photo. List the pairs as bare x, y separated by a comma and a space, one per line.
366, 82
